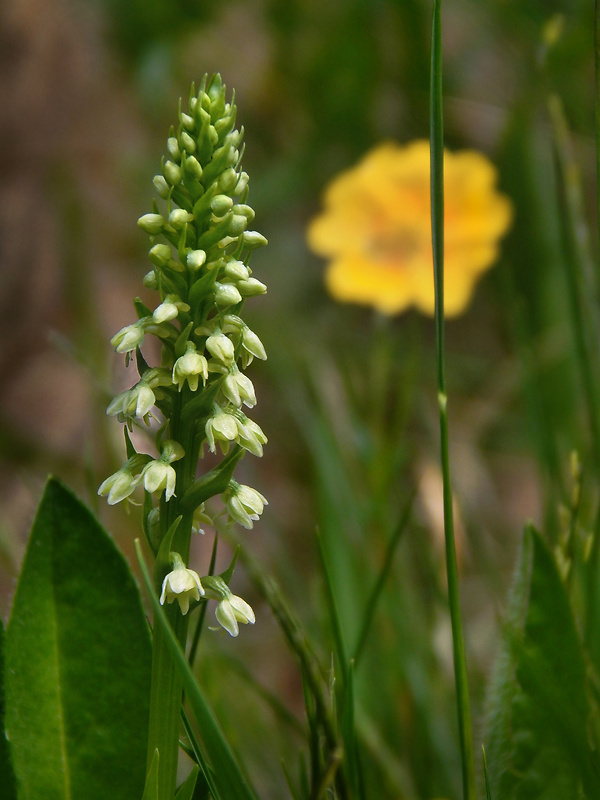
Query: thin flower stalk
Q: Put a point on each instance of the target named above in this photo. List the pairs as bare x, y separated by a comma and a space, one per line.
437, 229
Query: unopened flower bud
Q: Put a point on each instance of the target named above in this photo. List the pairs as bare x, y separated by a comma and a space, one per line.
172, 173
228, 180
245, 211
173, 148
169, 309
254, 239
226, 294
187, 121
237, 225
187, 143
193, 166
178, 218
161, 186
160, 255
149, 280
195, 259
221, 204
151, 223
241, 184
251, 288
236, 270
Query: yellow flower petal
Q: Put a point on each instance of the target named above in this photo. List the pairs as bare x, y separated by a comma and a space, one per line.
376, 228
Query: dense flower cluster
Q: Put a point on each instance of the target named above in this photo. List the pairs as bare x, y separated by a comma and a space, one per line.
201, 242
376, 228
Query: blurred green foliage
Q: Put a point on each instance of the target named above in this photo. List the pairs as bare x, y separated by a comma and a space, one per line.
348, 402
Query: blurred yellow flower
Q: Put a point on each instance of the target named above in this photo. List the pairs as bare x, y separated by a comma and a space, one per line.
376, 228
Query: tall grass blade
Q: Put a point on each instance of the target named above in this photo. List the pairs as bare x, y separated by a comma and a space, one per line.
437, 235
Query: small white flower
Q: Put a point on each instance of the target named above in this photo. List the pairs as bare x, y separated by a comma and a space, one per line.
251, 436
232, 610
123, 483
238, 389
182, 584
222, 427
159, 476
244, 504
253, 344
189, 367
129, 337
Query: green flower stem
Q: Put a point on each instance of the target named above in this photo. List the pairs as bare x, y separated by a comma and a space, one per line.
437, 229
166, 688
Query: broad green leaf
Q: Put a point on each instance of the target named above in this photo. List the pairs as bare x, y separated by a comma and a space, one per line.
77, 662
228, 776
8, 789
538, 711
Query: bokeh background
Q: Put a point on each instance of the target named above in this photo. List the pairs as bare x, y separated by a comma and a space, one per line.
88, 91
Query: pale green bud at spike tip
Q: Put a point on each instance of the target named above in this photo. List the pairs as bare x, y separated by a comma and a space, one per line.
151, 223
182, 584
193, 165
172, 173
161, 186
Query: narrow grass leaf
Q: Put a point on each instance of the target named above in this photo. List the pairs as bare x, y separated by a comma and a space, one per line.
187, 788
77, 662
228, 775
437, 238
